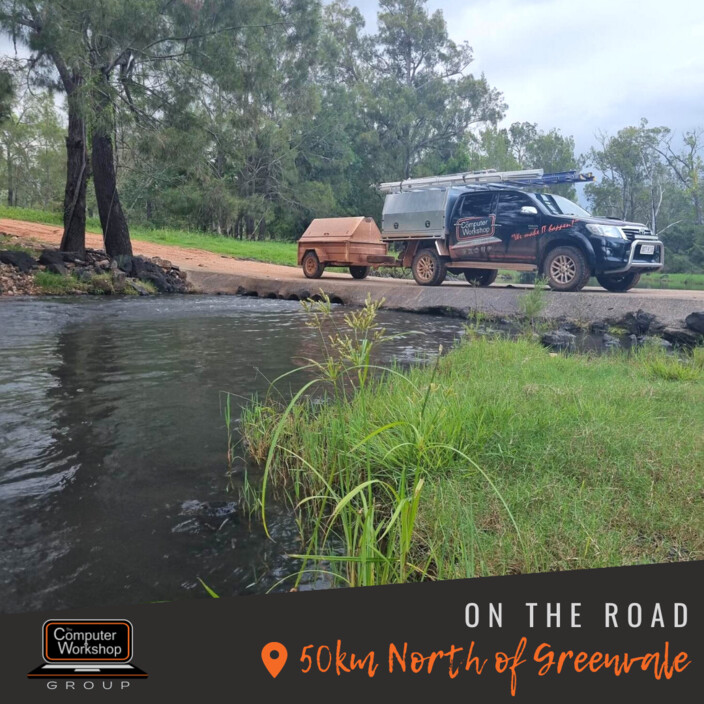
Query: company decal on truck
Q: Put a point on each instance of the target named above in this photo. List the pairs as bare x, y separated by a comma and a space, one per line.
536, 232
476, 232
475, 228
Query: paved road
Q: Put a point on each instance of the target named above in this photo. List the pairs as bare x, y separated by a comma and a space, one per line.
214, 273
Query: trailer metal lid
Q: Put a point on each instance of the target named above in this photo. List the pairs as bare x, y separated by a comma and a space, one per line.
358, 229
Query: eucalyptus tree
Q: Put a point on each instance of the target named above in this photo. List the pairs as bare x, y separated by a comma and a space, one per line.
634, 175
687, 164
422, 98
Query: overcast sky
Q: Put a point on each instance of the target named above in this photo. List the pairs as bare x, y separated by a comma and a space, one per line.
585, 65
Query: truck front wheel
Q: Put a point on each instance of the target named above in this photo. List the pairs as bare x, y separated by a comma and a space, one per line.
428, 269
312, 268
480, 277
618, 283
566, 269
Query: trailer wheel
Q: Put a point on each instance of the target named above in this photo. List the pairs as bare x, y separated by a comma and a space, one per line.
619, 283
312, 268
359, 272
428, 269
480, 277
566, 269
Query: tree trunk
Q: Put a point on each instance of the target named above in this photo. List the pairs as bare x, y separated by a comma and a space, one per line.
697, 208
116, 232
10, 180
74, 237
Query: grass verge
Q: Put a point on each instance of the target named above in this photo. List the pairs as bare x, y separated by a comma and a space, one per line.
501, 458
268, 251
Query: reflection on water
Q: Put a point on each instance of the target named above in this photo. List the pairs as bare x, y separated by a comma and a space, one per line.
112, 444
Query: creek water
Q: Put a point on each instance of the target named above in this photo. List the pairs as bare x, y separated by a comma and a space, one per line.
113, 476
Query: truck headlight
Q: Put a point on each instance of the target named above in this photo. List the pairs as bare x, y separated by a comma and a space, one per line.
606, 231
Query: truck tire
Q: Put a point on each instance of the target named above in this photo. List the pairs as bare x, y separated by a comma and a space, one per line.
480, 277
619, 283
312, 268
359, 272
566, 269
428, 269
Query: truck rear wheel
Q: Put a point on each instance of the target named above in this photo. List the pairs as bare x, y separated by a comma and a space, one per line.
312, 268
619, 283
428, 269
480, 277
566, 269
359, 272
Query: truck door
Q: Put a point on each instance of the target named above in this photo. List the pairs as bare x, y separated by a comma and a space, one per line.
472, 226
517, 229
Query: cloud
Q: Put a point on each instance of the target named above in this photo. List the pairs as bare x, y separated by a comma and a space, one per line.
587, 65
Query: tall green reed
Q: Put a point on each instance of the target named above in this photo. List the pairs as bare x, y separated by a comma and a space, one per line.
356, 500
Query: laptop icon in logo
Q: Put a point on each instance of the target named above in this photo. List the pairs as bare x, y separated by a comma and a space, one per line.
87, 648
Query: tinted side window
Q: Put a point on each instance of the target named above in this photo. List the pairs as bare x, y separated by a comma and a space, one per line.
478, 205
510, 205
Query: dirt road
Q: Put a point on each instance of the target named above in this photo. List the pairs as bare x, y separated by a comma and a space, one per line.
215, 273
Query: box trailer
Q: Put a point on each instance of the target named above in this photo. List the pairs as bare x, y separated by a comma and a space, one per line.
354, 243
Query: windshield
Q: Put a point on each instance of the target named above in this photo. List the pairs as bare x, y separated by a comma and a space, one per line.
558, 205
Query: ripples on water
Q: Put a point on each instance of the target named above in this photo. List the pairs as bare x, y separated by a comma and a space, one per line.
112, 443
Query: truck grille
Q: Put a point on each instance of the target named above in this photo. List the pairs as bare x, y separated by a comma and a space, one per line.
637, 232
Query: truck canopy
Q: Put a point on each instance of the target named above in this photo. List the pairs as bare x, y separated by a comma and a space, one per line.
420, 214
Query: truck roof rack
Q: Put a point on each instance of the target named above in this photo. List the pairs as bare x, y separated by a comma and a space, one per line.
486, 180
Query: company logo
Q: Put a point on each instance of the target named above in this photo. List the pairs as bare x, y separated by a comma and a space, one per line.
470, 228
87, 648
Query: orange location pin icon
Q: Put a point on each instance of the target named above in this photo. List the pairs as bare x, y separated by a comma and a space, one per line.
274, 657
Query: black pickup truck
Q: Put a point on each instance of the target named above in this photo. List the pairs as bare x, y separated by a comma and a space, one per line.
478, 231
564, 241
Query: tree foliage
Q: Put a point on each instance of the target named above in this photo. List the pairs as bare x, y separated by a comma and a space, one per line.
648, 178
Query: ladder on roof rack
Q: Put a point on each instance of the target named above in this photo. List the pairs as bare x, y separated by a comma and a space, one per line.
486, 180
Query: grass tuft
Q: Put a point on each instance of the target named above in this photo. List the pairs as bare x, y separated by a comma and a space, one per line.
56, 284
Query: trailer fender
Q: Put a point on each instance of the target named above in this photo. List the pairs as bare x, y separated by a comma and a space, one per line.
303, 251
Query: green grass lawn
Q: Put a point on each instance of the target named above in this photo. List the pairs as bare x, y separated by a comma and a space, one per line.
285, 252
503, 459
691, 282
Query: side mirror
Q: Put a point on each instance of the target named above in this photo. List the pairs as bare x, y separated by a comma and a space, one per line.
529, 210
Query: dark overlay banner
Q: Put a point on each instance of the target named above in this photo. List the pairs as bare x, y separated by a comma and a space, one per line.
616, 634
